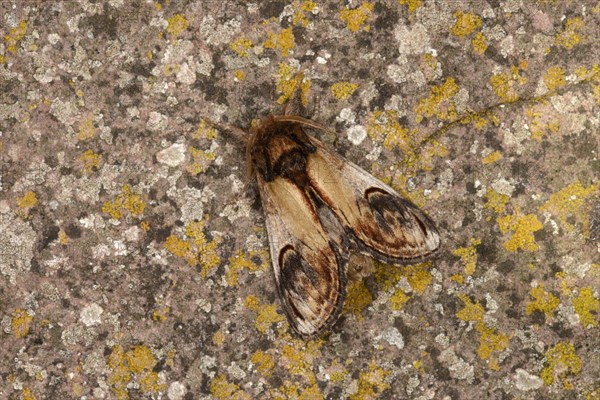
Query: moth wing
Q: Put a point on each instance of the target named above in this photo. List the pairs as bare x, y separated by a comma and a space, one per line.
383, 223
309, 274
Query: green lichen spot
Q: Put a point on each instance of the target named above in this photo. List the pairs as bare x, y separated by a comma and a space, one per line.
561, 359
543, 301
587, 307
468, 255
465, 24
355, 18
177, 25
522, 228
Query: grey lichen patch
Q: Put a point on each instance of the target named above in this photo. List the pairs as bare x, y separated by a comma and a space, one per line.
18, 243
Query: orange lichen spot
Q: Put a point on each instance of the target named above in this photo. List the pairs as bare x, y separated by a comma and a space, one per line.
561, 360
572, 202
238, 262
468, 255
86, 128
161, 314
398, 300
177, 25
356, 18
20, 323
90, 161
127, 200
283, 41
265, 363
571, 35
413, 5
288, 82
439, 103
221, 389
496, 201
587, 307
241, 46
266, 313
358, 298
26, 203
201, 160
490, 340
543, 301
555, 78
479, 43
491, 158
371, 383
343, 90
505, 84
465, 24
523, 228
27, 394
15, 35
543, 120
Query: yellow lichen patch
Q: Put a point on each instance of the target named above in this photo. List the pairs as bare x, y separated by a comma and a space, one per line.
180, 248
555, 78
587, 307
505, 84
63, 238
283, 41
197, 249
265, 363
20, 323
468, 255
239, 75
90, 161
465, 24
238, 262
297, 357
137, 362
127, 200
429, 65
221, 389
458, 278
201, 159
543, 120
160, 314
355, 18
343, 90
398, 300
288, 82
413, 5
572, 202
386, 275
492, 157
299, 17
27, 394
266, 313
177, 25
561, 359
358, 298
543, 301
523, 228
218, 338
479, 43
337, 372
490, 340
241, 45
26, 203
371, 383
418, 276
15, 36
571, 35
439, 102
86, 129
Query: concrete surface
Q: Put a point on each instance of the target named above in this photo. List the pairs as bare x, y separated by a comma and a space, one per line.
134, 260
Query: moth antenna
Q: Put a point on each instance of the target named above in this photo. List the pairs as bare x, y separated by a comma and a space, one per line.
232, 130
301, 120
294, 105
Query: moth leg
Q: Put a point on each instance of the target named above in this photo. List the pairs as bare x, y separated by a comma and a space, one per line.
232, 130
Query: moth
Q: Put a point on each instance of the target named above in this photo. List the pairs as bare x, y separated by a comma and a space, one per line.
318, 208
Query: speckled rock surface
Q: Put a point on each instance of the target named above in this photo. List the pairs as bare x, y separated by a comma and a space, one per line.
134, 260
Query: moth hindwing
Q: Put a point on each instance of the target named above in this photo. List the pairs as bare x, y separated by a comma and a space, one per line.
319, 207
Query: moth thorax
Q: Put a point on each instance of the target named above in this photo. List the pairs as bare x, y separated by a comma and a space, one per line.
292, 165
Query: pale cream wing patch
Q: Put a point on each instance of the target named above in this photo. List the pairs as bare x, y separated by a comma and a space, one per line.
385, 224
310, 279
